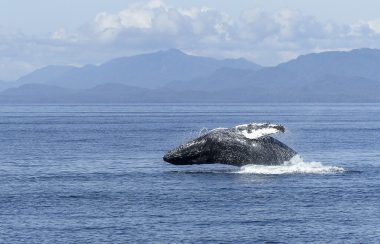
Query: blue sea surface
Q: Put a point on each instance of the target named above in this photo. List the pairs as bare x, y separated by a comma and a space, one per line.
95, 174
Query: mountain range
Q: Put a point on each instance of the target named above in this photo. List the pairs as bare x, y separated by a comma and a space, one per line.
173, 76
147, 70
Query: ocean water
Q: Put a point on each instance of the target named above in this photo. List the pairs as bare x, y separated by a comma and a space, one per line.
94, 174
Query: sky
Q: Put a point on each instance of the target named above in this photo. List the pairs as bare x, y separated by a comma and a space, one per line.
37, 33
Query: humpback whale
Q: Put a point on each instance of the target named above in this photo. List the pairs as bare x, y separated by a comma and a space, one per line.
238, 146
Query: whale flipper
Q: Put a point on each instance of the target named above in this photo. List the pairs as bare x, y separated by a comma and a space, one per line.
257, 130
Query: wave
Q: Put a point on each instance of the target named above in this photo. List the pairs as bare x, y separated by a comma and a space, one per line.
295, 166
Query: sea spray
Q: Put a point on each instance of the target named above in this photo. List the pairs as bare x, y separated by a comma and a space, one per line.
295, 166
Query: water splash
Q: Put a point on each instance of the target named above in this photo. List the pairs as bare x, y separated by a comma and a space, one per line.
295, 166
203, 131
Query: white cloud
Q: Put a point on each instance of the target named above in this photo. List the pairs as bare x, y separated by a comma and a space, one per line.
374, 25
267, 38
157, 20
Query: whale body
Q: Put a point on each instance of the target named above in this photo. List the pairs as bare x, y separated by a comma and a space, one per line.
238, 146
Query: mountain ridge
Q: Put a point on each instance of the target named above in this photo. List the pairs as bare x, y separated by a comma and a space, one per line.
335, 76
146, 70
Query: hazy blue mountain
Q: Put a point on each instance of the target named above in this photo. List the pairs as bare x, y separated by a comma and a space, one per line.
325, 77
296, 73
36, 93
229, 79
105, 93
42, 93
146, 70
39, 76
331, 88
356, 63
44, 74
326, 89
224, 78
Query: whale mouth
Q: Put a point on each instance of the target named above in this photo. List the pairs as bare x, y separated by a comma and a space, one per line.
177, 157
169, 158
296, 165
188, 154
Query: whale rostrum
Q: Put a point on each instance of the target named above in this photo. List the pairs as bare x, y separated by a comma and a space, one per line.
238, 146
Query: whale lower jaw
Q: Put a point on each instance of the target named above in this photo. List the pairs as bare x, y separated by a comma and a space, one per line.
232, 163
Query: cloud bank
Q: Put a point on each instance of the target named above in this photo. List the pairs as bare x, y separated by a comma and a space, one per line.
266, 38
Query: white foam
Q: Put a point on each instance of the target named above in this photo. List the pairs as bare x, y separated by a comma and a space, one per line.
295, 166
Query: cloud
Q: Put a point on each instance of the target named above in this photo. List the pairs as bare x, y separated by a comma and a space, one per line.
267, 38
154, 24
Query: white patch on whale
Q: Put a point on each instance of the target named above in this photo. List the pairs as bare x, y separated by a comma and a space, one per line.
219, 128
295, 166
257, 130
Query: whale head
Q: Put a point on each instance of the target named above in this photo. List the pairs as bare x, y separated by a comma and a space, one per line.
193, 152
